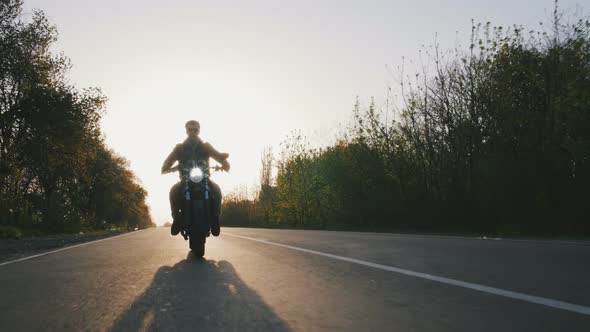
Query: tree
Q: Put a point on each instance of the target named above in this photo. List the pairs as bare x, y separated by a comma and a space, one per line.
50, 139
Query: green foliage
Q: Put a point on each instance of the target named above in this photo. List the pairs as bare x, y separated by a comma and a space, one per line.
497, 140
10, 232
56, 175
239, 211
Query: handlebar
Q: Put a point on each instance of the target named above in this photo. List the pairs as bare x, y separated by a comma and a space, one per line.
177, 167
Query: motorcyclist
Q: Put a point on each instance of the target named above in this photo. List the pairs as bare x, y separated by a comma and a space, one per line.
193, 148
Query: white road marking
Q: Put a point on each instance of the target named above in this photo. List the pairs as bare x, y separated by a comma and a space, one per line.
482, 288
69, 247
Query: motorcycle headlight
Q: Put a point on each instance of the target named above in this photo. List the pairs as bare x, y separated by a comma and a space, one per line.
196, 175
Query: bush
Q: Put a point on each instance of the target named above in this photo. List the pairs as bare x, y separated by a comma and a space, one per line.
10, 232
495, 140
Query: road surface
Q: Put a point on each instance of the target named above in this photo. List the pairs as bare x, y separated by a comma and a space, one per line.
286, 280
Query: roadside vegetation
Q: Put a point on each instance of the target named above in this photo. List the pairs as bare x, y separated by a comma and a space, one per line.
56, 174
492, 138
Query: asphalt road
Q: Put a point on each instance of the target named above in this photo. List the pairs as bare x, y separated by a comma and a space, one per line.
254, 279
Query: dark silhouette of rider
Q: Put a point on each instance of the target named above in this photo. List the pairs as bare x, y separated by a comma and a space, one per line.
193, 148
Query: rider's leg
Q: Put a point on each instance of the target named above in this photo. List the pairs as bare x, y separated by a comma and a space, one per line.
175, 207
215, 208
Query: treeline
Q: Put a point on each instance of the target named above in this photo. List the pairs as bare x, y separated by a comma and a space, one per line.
56, 174
496, 139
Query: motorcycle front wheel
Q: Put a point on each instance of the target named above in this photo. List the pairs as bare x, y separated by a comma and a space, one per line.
197, 245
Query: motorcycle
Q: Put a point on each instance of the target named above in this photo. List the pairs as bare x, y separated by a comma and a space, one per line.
195, 211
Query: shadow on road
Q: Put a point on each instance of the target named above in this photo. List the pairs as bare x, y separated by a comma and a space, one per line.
195, 295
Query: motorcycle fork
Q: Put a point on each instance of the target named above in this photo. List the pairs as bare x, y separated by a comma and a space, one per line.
190, 210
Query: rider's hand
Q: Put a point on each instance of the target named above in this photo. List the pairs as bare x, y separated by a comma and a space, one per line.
170, 170
225, 166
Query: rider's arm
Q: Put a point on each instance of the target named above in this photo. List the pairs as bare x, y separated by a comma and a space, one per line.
218, 156
172, 157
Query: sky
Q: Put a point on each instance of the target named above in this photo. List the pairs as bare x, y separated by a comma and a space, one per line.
251, 72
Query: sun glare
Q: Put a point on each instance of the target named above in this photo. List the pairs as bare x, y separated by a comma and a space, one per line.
237, 112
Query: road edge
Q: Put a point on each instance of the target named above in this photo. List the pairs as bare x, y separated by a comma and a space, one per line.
70, 247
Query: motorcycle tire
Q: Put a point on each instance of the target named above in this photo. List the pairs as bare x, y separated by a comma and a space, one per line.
197, 245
